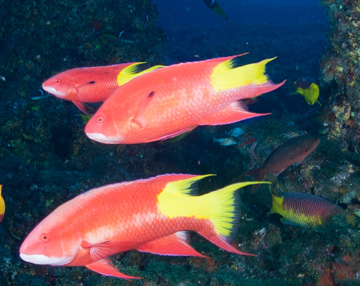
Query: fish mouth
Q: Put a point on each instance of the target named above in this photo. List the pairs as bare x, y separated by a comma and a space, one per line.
41, 259
99, 137
53, 91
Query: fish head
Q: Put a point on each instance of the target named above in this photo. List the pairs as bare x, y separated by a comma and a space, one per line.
108, 126
120, 115
310, 144
51, 242
62, 85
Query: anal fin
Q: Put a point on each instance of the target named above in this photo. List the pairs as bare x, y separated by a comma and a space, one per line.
230, 114
175, 244
105, 267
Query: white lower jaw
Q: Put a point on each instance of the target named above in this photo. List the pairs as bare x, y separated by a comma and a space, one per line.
99, 137
45, 260
54, 91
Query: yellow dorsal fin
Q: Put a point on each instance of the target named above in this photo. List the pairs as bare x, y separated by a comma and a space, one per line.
132, 71
226, 76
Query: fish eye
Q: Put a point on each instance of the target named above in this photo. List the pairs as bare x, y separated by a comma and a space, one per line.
100, 119
44, 237
57, 81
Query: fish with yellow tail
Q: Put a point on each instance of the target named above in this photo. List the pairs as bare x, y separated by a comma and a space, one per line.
92, 84
305, 209
307, 87
175, 99
2, 205
150, 215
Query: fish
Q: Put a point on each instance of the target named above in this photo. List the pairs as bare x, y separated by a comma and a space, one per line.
228, 141
307, 87
236, 132
149, 215
214, 6
304, 209
293, 151
175, 99
92, 84
2, 205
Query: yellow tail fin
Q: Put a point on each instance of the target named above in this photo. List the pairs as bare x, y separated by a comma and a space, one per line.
220, 207
225, 208
133, 71
226, 76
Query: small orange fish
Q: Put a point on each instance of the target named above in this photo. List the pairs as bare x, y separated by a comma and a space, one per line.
175, 99
293, 151
92, 84
2, 205
149, 215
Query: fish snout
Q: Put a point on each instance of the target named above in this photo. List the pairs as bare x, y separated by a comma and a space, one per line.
48, 87
103, 130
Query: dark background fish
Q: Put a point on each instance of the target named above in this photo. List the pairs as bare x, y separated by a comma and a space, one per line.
293, 151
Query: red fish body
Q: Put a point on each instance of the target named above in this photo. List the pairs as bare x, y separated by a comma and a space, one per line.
175, 99
147, 215
91, 84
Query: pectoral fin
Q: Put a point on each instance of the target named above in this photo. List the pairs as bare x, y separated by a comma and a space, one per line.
105, 267
98, 250
83, 107
139, 120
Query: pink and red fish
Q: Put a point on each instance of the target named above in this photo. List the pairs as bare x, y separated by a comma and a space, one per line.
150, 215
175, 99
92, 84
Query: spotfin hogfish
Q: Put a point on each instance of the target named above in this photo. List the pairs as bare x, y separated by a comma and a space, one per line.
305, 209
92, 84
175, 99
149, 215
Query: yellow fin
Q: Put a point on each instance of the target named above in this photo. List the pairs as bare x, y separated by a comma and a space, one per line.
225, 76
219, 206
2, 204
276, 206
132, 71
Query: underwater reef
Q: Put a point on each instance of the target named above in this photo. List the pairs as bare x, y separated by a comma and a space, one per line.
46, 159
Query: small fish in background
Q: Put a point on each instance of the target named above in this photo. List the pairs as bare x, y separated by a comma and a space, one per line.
236, 132
293, 151
175, 99
149, 215
225, 141
2, 205
307, 87
305, 209
213, 5
92, 84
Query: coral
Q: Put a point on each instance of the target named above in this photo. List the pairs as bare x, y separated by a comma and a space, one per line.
340, 65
